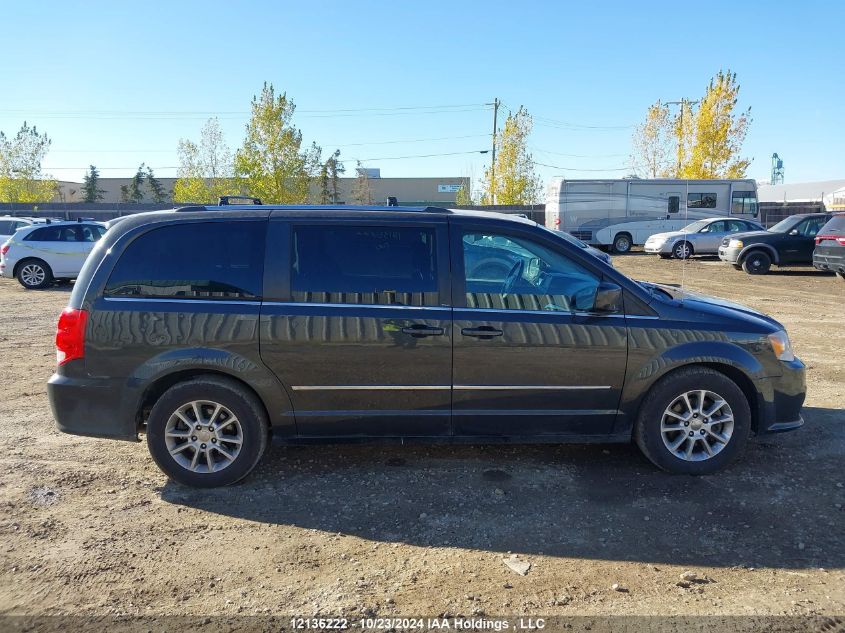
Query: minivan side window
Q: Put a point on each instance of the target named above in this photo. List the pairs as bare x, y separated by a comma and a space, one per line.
364, 264
505, 272
209, 260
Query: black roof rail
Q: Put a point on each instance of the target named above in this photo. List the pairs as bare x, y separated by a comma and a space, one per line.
223, 201
195, 207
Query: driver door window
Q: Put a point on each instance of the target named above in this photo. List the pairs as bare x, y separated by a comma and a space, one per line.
505, 272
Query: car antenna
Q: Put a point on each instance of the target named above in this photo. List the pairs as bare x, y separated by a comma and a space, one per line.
684, 237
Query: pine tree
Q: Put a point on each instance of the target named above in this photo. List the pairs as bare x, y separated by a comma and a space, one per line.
90, 187
157, 191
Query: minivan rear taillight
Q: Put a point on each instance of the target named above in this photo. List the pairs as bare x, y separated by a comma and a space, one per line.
70, 335
4, 249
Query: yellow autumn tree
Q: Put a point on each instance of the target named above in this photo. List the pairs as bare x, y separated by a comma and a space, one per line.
701, 142
205, 168
271, 163
717, 133
512, 179
653, 142
21, 178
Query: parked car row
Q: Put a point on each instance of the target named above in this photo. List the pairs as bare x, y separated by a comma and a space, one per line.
40, 253
811, 238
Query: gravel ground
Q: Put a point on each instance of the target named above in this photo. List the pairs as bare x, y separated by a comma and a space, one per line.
92, 528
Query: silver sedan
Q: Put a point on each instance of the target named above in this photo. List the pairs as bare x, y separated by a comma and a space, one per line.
699, 238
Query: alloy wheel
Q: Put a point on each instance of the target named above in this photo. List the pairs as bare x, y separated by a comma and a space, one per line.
33, 274
203, 436
697, 425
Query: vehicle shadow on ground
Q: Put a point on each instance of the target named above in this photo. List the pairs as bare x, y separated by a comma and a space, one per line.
780, 506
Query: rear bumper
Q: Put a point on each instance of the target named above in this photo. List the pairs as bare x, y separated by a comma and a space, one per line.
829, 259
93, 407
783, 399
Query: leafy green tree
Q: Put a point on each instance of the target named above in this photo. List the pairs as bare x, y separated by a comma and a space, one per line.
91, 191
21, 178
271, 163
514, 180
205, 171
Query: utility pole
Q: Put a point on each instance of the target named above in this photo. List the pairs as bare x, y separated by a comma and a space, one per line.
682, 103
496, 103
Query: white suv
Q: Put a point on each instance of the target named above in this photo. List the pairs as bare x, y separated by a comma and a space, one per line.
39, 254
9, 224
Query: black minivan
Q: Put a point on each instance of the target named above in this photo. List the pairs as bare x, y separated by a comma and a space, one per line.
214, 329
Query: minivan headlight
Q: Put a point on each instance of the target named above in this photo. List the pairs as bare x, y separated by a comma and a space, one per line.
781, 346
735, 244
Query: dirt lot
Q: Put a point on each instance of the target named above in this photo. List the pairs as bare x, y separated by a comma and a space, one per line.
91, 527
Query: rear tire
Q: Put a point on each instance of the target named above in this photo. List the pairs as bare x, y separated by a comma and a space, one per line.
622, 243
841, 276
757, 263
207, 432
34, 274
665, 408
682, 250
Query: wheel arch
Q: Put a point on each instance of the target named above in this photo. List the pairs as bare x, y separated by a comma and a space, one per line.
30, 258
156, 389
770, 251
735, 373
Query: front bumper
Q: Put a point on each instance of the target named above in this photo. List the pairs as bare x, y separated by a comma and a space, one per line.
657, 248
94, 407
783, 397
730, 255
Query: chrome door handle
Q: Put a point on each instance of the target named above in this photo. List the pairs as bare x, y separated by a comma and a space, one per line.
419, 330
484, 332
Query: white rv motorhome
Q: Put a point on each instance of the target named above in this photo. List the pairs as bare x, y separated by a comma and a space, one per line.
622, 213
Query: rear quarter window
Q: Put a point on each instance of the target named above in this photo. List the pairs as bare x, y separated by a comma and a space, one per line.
836, 226
210, 260
45, 234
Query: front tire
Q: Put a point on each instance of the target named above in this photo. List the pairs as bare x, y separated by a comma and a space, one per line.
34, 274
757, 263
841, 276
622, 243
207, 432
694, 421
682, 250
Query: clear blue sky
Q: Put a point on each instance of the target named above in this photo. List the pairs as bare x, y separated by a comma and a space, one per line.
90, 73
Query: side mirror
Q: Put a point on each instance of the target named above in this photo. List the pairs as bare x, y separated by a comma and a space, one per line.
794, 232
608, 298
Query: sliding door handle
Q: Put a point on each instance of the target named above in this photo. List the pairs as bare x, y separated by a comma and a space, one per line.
418, 330
484, 332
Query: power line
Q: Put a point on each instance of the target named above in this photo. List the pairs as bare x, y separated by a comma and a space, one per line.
558, 124
238, 115
546, 151
363, 160
579, 169
162, 151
